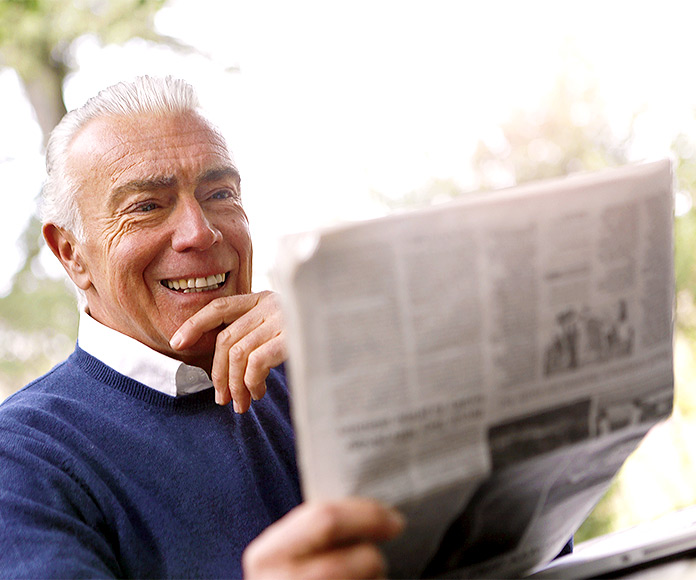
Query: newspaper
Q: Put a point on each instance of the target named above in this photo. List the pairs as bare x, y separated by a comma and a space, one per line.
487, 364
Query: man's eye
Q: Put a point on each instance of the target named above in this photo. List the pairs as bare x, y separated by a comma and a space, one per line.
224, 194
148, 206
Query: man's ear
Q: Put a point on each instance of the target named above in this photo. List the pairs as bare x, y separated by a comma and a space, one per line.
66, 249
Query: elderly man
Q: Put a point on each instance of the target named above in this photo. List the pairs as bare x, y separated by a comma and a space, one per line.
126, 460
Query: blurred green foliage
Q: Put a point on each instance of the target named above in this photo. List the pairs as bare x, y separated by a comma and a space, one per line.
38, 321
37, 39
567, 132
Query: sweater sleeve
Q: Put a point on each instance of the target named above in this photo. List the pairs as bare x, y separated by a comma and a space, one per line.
50, 526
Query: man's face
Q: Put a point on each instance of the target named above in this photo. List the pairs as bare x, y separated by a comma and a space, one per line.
160, 203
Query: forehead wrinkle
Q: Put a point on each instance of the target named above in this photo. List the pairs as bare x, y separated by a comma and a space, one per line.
119, 151
122, 148
169, 138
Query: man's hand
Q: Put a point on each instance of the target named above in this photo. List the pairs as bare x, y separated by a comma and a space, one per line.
247, 348
324, 540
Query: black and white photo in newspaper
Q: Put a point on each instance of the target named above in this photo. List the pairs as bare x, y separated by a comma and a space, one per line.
486, 364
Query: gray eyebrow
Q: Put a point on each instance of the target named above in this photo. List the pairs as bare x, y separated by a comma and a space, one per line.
148, 184
169, 182
219, 173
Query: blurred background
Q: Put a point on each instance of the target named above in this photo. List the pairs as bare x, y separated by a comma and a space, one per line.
350, 110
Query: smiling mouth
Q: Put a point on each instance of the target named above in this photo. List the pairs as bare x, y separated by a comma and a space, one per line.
188, 285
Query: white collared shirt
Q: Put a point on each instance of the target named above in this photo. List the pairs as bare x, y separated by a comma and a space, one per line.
139, 362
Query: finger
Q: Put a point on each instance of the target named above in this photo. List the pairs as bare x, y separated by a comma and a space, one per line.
242, 367
324, 540
242, 402
355, 561
219, 312
231, 357
316, 527
236, 367
261, 360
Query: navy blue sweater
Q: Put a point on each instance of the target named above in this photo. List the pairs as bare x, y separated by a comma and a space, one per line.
101, 476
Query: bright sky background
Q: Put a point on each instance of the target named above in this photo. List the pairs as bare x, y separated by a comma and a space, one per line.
333, 99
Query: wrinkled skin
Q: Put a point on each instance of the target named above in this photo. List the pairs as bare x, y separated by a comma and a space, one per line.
161, 202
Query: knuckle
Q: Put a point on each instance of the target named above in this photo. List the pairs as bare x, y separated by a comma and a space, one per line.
278, 346
327, 523
375, 563
254, 356
219, 303
251, 556
237, 354
254, 558
218, 377
269, 300
255, 365
222, 340
268, 295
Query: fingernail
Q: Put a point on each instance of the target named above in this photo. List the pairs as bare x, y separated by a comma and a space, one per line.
176, 341
236, 407
218, 398
398, 521
258, 392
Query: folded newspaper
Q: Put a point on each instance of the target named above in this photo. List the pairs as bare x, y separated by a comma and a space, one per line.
487, 364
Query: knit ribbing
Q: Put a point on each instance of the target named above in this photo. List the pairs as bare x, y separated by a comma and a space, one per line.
102, 373
101, 476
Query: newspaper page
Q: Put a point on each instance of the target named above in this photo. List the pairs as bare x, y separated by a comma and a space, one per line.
487, 364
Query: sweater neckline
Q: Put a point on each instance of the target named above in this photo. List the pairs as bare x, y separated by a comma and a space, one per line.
105, 374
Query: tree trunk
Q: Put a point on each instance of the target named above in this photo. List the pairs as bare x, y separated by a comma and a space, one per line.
45, 93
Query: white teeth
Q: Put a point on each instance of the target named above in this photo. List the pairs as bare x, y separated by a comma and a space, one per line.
196, 284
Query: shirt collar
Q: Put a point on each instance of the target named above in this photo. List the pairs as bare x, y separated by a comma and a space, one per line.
139, 362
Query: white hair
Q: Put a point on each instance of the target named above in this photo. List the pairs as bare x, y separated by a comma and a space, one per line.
144, 95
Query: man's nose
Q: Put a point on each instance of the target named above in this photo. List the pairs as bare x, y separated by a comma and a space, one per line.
193, 229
